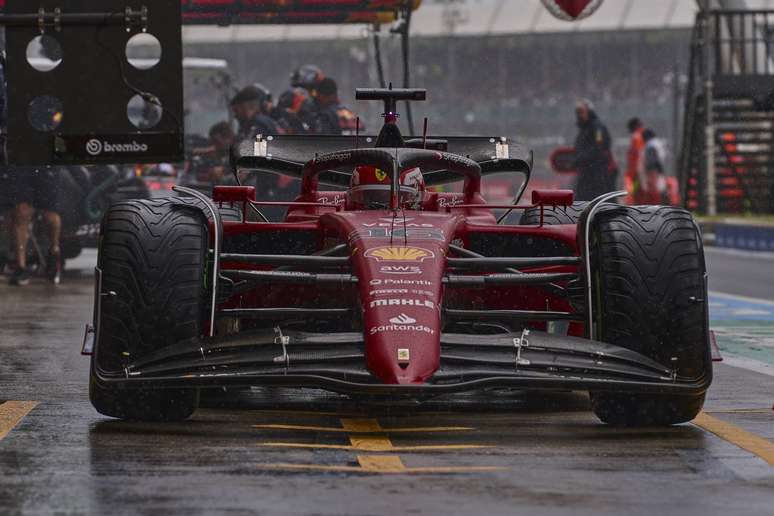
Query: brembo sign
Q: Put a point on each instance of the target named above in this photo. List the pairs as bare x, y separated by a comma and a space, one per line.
98, 147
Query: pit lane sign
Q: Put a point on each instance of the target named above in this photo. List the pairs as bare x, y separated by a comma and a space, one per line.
572, 10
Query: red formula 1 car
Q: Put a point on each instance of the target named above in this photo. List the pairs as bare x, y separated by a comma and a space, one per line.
385, 289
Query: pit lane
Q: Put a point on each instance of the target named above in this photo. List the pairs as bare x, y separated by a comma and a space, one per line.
284, 452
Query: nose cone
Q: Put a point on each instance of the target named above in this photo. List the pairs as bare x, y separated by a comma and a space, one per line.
402, 340
401, 292
399, 262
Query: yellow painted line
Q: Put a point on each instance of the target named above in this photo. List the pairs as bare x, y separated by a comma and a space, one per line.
11, 413
361, 426
743, 411
763, 448
371, 442
380, 465
373, 447
362, 438
301, 413
418, 429
311, 467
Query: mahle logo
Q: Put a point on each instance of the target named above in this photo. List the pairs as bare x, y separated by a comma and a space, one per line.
403, 302
399, 254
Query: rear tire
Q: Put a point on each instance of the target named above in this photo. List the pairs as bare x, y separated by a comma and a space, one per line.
648, 270
153, 256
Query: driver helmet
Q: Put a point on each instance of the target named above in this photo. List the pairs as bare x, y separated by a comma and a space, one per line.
306, 76
369, 188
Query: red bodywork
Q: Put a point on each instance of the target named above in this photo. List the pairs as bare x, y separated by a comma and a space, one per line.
400, 260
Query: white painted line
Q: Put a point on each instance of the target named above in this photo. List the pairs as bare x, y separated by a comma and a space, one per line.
743, 298
741, 253
750, 311
748, 363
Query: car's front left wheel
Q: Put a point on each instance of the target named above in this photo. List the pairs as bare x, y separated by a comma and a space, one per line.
153, 258
650, 296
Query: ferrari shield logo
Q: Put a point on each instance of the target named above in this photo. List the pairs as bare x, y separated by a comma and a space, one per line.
399, 254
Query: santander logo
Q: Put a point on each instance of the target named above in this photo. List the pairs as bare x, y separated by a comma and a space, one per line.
402, 319
401, 323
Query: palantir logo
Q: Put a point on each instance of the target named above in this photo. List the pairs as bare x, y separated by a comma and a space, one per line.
402, 319
94, 147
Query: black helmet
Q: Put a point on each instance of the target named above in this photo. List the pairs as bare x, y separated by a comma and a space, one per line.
251, 93
306, 76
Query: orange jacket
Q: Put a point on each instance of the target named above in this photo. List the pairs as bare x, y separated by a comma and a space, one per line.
634, 155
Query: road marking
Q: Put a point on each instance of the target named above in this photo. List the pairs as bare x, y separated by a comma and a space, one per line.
376, 445
749, 364
334, 429
742, 253
745, 299
744, 327
763, 448
366, 434
11, 413
381, 465
741, 411
300, 413
367, 440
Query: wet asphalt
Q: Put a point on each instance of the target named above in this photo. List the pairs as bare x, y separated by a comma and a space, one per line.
308, 452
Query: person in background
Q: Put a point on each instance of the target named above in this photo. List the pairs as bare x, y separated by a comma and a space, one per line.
635, 174
331, 117
593, 157
307, 77
6, 203
211, 163
252, 108
294, 111
654, 157
35, 188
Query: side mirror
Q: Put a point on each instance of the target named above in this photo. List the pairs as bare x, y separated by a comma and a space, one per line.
553, 197
233, 194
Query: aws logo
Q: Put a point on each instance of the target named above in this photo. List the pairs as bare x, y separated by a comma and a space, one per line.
399, 254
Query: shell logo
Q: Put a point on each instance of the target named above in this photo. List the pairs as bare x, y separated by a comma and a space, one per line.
399, 254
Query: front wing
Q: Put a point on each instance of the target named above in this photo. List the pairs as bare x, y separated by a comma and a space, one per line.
531, 360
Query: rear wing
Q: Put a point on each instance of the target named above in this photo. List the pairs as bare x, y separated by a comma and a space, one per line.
286, 155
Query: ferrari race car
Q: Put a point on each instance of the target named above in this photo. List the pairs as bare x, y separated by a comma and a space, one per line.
381, 288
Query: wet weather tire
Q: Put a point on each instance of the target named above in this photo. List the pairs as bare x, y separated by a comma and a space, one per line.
649, 295
153, 258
